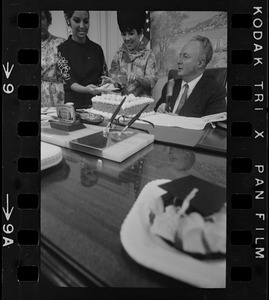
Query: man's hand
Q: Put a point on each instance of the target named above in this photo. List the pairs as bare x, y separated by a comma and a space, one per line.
161, 109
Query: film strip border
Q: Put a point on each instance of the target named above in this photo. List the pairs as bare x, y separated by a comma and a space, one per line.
20, 148
246, 163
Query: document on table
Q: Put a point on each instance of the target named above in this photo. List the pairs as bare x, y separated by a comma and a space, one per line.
184, 122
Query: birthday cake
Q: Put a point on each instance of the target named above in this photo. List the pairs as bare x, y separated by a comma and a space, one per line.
106, 104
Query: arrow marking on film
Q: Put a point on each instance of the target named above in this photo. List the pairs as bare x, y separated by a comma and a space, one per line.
7, 212
7, 70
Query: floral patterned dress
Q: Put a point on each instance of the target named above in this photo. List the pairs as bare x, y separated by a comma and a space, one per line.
52, 91
141, 62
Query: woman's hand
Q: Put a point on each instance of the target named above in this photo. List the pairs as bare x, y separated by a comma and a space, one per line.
91, 88
132, 77
88, 89
106, 79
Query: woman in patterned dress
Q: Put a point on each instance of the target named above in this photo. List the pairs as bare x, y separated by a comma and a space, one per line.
52, 91
133, 61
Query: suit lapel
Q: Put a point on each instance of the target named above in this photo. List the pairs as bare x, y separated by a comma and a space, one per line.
197, 91
194, 96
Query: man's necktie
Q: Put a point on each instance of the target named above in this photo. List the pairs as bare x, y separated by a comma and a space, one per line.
183, 98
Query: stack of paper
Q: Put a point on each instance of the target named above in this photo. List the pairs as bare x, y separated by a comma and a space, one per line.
184, 122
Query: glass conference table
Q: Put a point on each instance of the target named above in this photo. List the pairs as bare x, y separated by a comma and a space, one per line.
84, 201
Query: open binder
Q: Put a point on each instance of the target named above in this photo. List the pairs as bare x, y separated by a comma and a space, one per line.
210, 138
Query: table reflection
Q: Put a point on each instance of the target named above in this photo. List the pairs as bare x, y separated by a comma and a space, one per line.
89, 173
57, 173
85, 199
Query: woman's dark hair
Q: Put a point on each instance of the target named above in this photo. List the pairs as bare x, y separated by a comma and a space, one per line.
48, 16
129, 20
68, 14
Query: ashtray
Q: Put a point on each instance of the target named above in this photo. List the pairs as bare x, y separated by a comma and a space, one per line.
90, 118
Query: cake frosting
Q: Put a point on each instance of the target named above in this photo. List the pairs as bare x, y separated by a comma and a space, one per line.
189, 232
106, 104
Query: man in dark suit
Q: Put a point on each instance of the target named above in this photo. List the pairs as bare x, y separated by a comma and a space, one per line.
193, 94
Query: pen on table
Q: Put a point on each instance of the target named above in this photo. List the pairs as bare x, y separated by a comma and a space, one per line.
134, 118
115, 113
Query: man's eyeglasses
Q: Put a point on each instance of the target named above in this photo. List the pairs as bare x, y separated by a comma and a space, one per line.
122, 120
